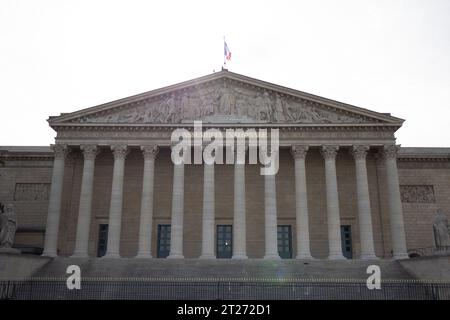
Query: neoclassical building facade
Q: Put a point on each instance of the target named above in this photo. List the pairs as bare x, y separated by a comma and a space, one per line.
108, 188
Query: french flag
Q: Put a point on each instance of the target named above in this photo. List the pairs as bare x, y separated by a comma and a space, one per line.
226, 51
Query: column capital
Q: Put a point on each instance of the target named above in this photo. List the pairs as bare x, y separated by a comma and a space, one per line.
149, 151
359, 152
329, 152
299, 151
90, 151
60, 150
390, 151
120, 151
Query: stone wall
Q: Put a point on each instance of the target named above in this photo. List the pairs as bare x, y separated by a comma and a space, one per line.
24, 182
419, 206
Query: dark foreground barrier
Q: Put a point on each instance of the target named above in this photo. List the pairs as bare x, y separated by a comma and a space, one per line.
195, 289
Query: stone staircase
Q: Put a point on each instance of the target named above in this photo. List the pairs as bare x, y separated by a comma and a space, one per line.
254, 279
223, 269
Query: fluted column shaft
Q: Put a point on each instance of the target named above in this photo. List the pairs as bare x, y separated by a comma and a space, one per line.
398, 237
146, 217
363, 198
85, 206
54, 206
270, 214
239, 219
333, 218
301, 203
208, 212
115, 211
176, 233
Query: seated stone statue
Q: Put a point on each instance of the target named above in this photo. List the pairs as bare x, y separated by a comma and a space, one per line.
441, 230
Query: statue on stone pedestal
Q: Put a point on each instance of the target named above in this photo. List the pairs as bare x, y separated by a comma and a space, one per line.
8, 226
441, 230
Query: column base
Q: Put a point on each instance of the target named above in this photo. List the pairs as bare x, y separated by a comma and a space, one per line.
400, 256
79, 255
239, 257
175, 256
143, 255
111, 256
272, 257
336, 256
368, 256
207, 256
304, 256
49, 254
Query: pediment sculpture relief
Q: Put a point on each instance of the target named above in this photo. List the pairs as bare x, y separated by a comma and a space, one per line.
218, 102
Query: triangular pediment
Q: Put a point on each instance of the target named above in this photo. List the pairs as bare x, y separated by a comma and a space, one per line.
225, 97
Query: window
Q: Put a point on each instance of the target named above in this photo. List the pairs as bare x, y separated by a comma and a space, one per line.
224, 241
163, 240
102, 239
346, 240
284, 241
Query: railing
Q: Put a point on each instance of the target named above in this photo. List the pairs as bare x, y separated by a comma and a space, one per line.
430, 251
266, 289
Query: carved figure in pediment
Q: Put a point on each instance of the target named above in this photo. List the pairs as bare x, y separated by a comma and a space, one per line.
279, 113
128, 117
170, 110
186, 111
227, 102
263, 106
302, 113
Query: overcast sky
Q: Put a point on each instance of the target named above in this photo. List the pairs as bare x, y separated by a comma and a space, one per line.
387, 56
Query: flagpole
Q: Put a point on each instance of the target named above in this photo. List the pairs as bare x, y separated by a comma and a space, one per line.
224, 57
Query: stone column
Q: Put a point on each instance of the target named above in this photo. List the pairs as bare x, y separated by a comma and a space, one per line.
364, 212
85, 206
176, 233
301, 203
208, 212
270, 216
146, 220
54, 205
333, 218
239, 219
398, 238
115, 210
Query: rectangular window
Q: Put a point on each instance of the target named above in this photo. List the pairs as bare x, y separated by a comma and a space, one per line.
224, 241
284, 241
346, 240
163, 240
102, 239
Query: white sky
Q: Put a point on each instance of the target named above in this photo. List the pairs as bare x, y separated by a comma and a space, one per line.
387, 56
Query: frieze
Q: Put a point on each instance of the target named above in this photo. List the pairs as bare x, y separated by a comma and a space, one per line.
32, 191
417, 193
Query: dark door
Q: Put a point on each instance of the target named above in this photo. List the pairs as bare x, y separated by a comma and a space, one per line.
285, 242
224, 244
346, 239
102, 239
163, 240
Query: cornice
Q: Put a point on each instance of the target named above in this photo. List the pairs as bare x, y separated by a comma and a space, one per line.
429, 158
189, 126
26, 157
